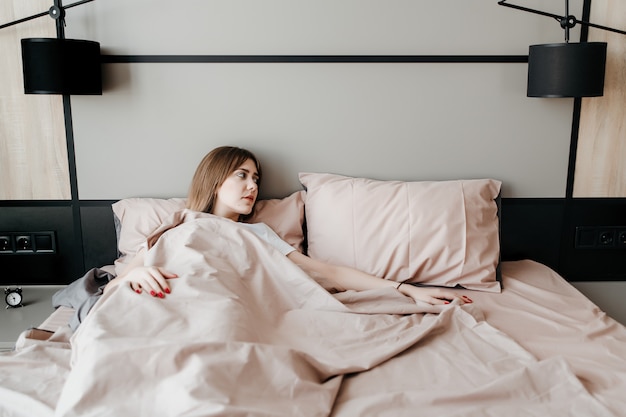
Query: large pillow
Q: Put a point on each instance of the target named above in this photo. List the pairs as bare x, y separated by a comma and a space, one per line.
443, 233
137, 218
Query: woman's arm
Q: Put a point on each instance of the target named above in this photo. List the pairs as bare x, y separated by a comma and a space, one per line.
345, 278
153, 279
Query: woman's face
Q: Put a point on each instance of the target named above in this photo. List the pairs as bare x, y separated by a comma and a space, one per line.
238, 192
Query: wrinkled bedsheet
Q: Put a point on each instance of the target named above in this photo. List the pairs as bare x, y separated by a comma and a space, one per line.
246, 333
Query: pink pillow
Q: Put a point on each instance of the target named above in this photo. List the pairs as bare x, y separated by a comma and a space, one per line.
137, 218
443, 233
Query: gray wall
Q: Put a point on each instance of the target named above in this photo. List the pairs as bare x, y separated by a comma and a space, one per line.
155, 121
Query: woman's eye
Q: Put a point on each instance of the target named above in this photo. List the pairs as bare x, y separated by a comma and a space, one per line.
244, 176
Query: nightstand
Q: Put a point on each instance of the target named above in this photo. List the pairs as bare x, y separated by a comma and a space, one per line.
37, 306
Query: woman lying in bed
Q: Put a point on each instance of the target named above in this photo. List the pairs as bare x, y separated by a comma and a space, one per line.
226, 184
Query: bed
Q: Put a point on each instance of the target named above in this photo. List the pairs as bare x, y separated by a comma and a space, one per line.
246, 333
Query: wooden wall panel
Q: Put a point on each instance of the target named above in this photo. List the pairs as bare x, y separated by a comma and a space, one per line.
601, 157
33, 151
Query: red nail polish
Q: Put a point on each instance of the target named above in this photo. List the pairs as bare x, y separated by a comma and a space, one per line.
446, 302
152, 293
161, 295
167, 291
138, 291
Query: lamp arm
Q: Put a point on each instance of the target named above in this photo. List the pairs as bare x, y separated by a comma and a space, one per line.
559, 18
26, 19
15, 22
526, 9
593, 25
78, 3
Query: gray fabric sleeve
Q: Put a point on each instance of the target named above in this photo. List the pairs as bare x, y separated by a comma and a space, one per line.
82, 294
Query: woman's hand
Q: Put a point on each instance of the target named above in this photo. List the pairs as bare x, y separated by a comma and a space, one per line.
152, 279
432, 295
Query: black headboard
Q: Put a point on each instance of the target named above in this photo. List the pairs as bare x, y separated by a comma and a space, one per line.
542, 229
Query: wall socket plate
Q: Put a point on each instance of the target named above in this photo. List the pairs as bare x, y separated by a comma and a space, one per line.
28, 243
600, 237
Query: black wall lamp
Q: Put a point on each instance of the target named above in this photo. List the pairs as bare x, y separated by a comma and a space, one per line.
566, 69
59, 65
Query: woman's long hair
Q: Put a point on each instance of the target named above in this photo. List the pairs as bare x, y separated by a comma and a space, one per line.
211, 173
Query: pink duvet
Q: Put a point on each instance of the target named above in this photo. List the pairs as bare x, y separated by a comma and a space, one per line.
246, 333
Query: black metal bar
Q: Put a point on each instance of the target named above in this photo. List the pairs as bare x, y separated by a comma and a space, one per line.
60, 23
71, 159
35, 203
573, 149
593, 25
584, 30
526, 9
26, 19
78, 3
566, 24
118, 59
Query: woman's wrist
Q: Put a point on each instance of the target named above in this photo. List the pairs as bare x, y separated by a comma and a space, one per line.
403, 288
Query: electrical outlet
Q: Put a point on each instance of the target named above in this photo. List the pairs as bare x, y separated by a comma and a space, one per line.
606, 238
6, 244
27, 243
23, 243
600, 237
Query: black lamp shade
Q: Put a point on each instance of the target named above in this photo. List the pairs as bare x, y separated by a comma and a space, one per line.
566, 69
61, 66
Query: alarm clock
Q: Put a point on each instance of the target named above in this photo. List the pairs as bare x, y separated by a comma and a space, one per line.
13, 297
